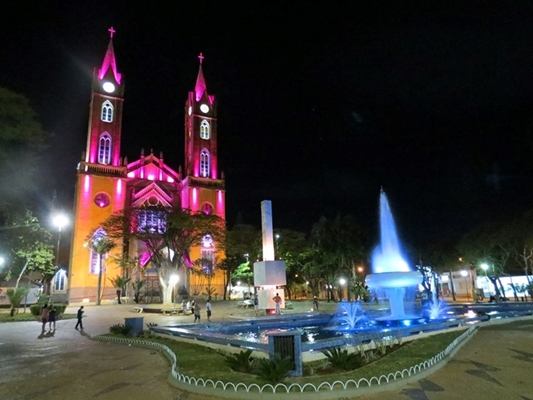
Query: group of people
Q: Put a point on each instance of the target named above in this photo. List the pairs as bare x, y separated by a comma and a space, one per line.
195, 309
48, 316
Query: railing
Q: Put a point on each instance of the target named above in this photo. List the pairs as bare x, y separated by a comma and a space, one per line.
102, 169
293, 388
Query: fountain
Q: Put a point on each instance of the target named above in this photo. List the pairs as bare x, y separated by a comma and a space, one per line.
349, 316
351, 325
391, 272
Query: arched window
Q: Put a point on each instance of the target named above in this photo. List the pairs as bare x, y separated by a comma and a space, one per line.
107, 111
60, 281
95, 257
104, 149
205, 130
204, 163
151, 221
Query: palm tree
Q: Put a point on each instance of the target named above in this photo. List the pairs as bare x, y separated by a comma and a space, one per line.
137, 287
15, 297
120, 283
101, 245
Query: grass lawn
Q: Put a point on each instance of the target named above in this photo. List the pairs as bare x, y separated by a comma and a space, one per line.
202, 362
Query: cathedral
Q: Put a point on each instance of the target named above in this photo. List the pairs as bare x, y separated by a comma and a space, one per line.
106, 183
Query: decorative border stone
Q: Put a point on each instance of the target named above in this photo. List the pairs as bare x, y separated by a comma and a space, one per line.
325, 390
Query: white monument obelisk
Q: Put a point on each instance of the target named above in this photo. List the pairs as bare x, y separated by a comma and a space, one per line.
269, 274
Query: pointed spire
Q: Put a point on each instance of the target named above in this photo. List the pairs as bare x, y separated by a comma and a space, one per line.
200, 87
109, 60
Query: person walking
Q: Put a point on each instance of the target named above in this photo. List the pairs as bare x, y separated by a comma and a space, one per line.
45, 313
277, 300
256, 305
315, 303
208, 309
52, 318
80, 316
197, 312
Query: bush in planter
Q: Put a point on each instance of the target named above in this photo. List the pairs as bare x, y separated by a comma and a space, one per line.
36, 309
273, 370
241, 362
120, 329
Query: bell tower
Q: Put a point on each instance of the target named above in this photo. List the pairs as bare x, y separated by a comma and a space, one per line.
101, 179
105, 114
203, 185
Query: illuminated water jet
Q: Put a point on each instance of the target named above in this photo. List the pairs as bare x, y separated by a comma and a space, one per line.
391, 272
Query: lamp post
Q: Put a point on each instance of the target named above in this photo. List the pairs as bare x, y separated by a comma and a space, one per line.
173, 280
59, 220
464, 274
485, 268
342, 281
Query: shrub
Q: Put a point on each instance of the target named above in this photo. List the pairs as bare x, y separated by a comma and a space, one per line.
43, 299
60, 309
120, 329
36, 309
273, 370
240, 362
341, 359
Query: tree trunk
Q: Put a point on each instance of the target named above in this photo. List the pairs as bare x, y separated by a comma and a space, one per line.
99, 289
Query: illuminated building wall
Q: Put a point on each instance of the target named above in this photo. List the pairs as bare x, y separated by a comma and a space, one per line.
107, 183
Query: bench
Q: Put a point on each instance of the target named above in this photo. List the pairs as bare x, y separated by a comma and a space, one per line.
245, 303
123, 299
171, 311
138, 309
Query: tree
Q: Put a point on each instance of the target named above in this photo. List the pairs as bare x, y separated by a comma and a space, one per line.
167, 238
121, 283
101, 244
21, 138
291, 247
340, 245
492, 244
243, 245
131, 268
27, 245
15, 297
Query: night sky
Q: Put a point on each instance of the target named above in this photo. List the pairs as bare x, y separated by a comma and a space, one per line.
320, 103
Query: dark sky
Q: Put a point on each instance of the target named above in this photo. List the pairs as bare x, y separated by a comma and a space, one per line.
320, 103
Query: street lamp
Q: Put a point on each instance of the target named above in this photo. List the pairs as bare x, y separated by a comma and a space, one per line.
342, 281
464, 274
60, 220
484, 267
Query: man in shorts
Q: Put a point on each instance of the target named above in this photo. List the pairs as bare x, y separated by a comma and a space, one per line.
208, 309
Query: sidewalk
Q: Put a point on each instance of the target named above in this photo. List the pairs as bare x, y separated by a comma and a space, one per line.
495, 364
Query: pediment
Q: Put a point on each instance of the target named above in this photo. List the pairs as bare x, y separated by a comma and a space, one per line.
152, 195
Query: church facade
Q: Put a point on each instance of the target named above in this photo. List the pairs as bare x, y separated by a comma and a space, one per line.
107, 183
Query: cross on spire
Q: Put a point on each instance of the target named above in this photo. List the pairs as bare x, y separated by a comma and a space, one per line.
201, 57
111, 32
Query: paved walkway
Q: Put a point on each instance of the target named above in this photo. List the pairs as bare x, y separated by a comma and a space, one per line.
495, 364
